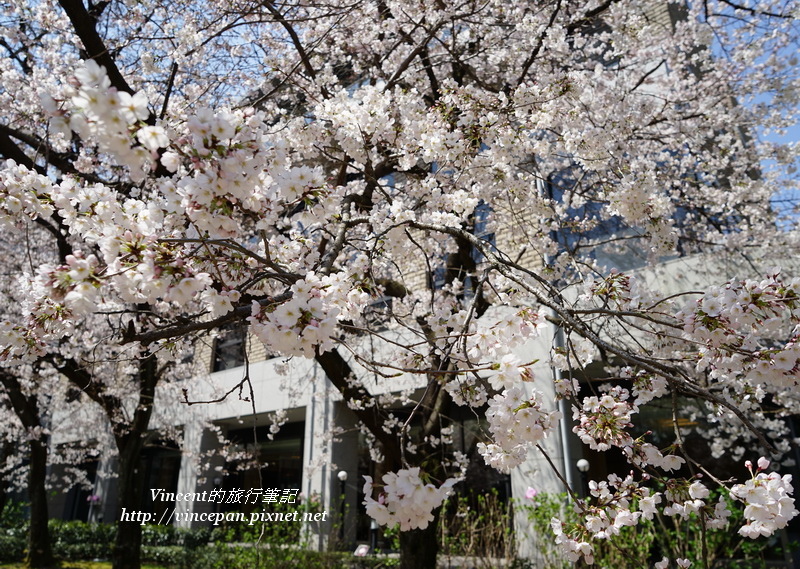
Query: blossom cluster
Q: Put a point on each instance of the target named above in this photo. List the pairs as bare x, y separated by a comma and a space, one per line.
681, 562
611, 506
405, 499
603, 421
490, 346
112, 119
731, 323
517, 423
307, 320
334, 190
768, 502
22, 192
685, 498
75, 283
620, 290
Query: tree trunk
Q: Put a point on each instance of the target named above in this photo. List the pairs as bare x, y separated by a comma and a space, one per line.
129, 436
7, 450
418, 548
40, 554
128, 540
130, 442
26, 408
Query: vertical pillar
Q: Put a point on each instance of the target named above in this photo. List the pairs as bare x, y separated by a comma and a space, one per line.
201, 478
316, 459
187, 475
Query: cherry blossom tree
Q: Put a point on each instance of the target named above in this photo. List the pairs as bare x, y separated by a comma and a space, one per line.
25, 407
31, 393
69, 389
37, 403
24, 394
439, 181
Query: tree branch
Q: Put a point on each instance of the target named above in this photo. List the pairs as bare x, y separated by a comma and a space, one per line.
84, 25
237, 314
339, 373
298, 45
25, 406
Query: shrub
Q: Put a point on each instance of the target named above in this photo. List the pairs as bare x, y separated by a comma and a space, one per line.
224, 556
158, 535
169, 555
639, 545
75, 540
283, 533
478, 526
13, 532
12, 546
166, 545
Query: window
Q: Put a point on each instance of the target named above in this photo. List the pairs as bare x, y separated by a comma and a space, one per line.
275, 463
229, 348
482, 228
77, 503
587, 219
379, 312
159, 467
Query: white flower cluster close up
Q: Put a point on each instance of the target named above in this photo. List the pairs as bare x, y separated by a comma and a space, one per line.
405, 499
768, 502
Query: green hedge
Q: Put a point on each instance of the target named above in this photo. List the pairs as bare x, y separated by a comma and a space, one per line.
163, 536
13, 533
12, 547
221, 556
169, 555
166, 545
76, 541
178, 548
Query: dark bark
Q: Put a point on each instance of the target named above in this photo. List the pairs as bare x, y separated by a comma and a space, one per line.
129, 437
130, 440
419, 547
372, 416
26, 408
128, 539
5, 451
40, 554
83, 23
